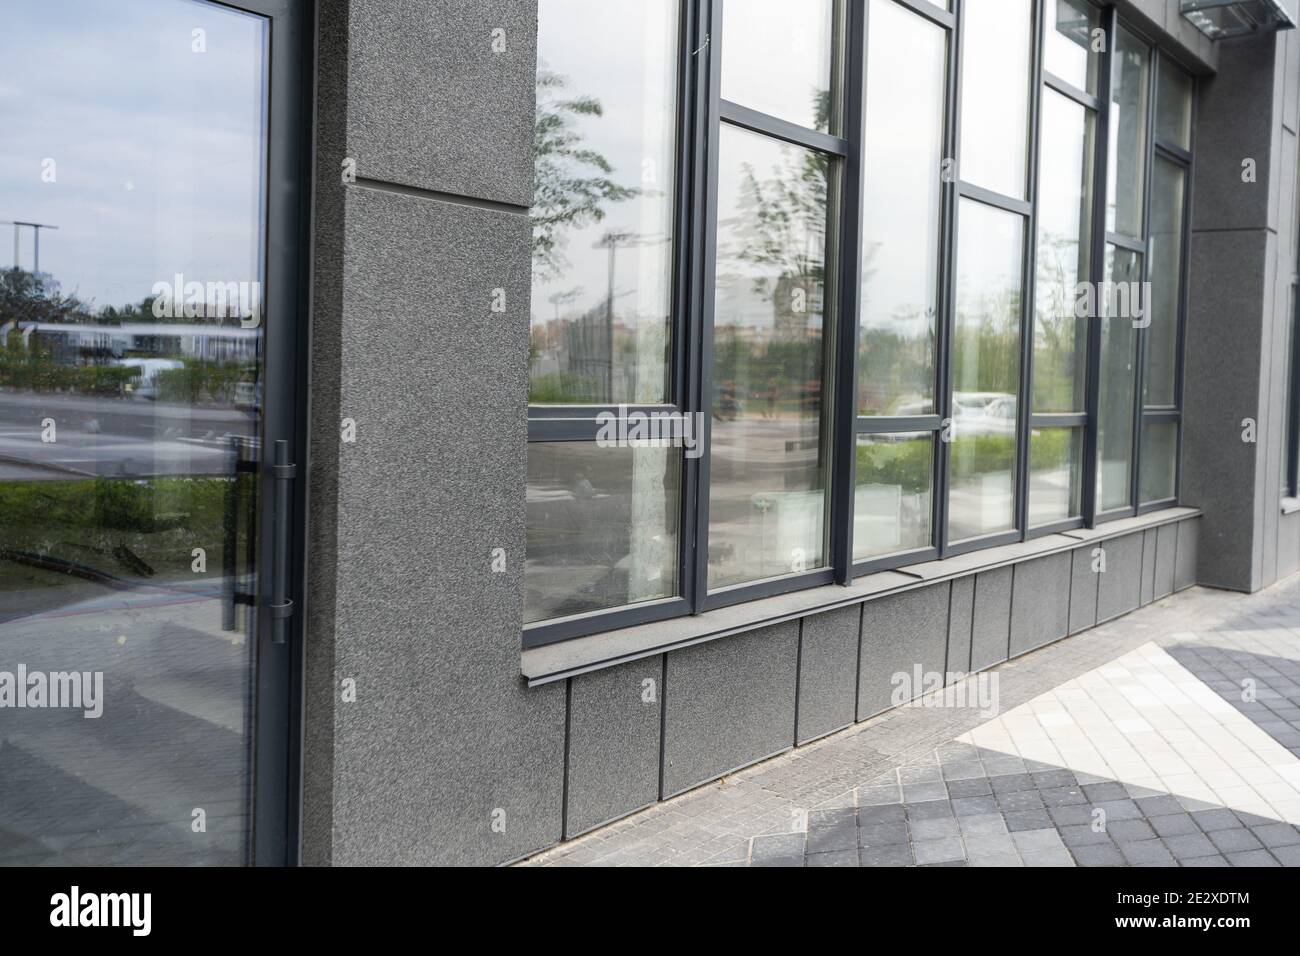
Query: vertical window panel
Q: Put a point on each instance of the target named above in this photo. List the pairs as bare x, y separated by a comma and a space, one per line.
1069, 43
1126, 169
1174, 106
902, 156
1063, 253
892, 498
768, 461
1166, 243
996, 54
1055, 475
1159, 460
778, 57
601, 527
603, 207
986, 371
1117, 380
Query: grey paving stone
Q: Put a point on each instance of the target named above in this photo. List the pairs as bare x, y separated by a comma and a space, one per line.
1130, 831
975, 787
830, 818
1215, 860
1217, 819
941, 828
896, 855
1063, 796
971, 806
883, 834
1020, 800
1083, 835
1188, 846
930, 810
996, 766
833, 858
1277, 834
1027, 820
1071, 816
1161, 805
1102, 792
926, 773
1234, 841
1036, 841
983, 824
1173, 824
1287, 855
1011, 783
877, 796
885, 813
1146, 851
938, 851
924, 792
842, 836
1048, 779
1252, 858
1119, 810
777, 846
964, 770
1097, 855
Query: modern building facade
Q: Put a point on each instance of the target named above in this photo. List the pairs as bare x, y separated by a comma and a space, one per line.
486, 419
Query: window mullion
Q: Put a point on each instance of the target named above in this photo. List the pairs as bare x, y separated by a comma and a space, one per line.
845, 387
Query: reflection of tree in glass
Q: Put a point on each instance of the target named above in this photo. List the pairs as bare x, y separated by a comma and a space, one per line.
1059, 333
573, 183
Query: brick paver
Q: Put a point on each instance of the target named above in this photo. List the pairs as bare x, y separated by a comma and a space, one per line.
1167, 737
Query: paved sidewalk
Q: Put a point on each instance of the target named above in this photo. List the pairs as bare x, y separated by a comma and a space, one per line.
1167, 737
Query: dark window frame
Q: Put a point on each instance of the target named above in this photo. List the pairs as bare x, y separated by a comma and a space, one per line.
701, 113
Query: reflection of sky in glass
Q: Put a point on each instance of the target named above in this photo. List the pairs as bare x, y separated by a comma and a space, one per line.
158, 149
995, 95
624, 56
776, 56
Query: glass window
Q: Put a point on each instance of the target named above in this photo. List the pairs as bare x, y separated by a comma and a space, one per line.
767, 472
996, 50
1128, 153
1055, 475
777, 58
1167, 189
892, 493
602, 213
903, 153
1117, 378
1065, 177
1071, 43
986, 371
601, 527
1159, 460
132, 365
1174, 106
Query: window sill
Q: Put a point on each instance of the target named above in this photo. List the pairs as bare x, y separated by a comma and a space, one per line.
553, 662
1290, 505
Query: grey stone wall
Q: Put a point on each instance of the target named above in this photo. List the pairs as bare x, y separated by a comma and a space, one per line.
444, 756
1242, 265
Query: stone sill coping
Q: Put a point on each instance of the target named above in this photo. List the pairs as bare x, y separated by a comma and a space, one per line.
553, 662
1290, 505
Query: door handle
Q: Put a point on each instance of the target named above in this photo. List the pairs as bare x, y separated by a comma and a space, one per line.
283, 473
232, 594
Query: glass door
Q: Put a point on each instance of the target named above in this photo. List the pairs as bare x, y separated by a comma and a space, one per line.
146, 309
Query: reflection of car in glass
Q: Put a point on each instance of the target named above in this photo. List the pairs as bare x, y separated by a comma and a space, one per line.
248, 395
145, 383
984, 413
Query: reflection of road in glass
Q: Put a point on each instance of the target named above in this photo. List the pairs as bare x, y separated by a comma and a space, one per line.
128, 430
766, 499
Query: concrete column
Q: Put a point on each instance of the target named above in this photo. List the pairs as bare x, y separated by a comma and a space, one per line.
443, 757
1242, 258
